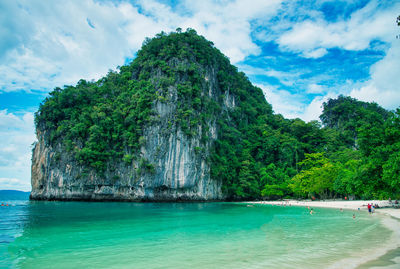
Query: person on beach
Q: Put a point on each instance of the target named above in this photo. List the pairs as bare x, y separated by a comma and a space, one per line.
372, 208
369, 208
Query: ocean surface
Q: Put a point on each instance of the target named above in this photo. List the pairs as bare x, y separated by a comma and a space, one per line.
182, 235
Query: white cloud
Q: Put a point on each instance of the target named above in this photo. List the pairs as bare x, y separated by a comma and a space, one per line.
314, 109
61, 47
315, 88
16, 138
286, 78
227, 23
84, 39
316, 53
14, 184
383, 87
292, 105
283, 102
311, 38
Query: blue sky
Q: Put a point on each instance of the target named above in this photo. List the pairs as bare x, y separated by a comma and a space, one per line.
299, 52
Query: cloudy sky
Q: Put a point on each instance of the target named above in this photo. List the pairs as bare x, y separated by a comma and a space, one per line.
299, 52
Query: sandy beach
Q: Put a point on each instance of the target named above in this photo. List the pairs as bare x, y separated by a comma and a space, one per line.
384, 205
387, 257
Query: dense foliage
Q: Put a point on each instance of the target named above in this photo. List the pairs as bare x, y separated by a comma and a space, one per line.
365, 165
347, 115
97, 120
258, 154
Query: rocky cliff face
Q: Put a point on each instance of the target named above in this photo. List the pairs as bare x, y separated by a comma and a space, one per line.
178, 171
169, 165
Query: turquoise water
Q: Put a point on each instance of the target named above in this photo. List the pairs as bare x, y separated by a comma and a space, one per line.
178, 235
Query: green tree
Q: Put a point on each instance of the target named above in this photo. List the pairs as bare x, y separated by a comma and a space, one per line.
316, 177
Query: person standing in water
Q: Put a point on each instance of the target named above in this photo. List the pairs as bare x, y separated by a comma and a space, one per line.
369, 208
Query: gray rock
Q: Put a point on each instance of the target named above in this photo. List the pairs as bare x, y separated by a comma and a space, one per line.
169, 166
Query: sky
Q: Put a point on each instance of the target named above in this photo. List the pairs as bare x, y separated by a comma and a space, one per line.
300, 53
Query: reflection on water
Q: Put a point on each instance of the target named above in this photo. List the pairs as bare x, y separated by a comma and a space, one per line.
179, 235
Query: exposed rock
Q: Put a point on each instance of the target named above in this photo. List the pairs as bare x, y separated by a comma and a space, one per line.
189, 87
178, 171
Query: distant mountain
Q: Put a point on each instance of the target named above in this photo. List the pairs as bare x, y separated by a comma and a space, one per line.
13, 195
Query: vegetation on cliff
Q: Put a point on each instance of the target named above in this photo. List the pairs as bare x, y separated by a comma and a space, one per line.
257, 153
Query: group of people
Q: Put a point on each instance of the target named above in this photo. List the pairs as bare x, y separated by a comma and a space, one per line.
371, 208
2, 204
393, 204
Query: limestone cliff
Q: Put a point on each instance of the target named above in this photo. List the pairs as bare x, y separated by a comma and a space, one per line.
171, 157
180, 173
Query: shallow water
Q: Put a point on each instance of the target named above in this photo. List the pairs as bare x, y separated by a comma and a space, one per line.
181, 235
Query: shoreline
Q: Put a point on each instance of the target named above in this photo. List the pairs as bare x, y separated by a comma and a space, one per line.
391, 220
385, 206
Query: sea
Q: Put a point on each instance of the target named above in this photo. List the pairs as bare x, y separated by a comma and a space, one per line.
40, 234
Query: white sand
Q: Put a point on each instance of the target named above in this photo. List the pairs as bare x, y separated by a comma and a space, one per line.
362, 204
354, 205
391, 223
